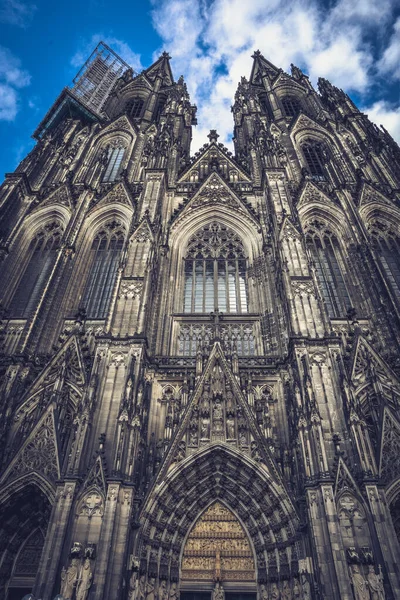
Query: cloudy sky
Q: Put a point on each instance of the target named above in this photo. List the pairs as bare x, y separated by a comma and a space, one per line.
353, 43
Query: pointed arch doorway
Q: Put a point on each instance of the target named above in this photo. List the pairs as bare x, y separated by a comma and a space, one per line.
217, 556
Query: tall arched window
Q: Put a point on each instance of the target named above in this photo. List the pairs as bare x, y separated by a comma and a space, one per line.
115, 155
105, 255
215, 272
134, 107
387, 245
328, 261
315, 155
291, 106
43, 252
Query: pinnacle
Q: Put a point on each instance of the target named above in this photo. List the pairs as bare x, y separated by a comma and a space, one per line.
213, 135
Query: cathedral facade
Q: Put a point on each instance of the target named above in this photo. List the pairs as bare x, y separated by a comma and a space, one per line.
199, 355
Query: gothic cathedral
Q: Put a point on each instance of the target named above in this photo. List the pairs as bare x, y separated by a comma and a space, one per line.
199, 355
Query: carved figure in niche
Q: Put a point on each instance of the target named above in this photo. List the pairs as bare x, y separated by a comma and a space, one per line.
375, 584
229, 400
193, 438
286, 591
150, 588
263, 592
218, 592
217, 409
305, 586
243, 438
255, 454
205, 429
230, 428
162, 590
275, 593
141, 590
296, 589
205, 402
180, 455
174, 592
85, 581
217, 380
68, 579
359, 584
133, 585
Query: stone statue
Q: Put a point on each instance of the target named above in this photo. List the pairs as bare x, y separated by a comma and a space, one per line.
296, 589
151, 584
375, 584
263, 592
274, 592
133, 585
85, 581
218, 593
68, 579
286, 591
305, 586
359, 584
141, 590
162, 590
174, 592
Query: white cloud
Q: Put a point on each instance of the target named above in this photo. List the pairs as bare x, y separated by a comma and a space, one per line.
211, 45
12, 79
119, 46
17, 13
390, 61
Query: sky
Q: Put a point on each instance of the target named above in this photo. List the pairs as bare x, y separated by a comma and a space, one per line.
353, 43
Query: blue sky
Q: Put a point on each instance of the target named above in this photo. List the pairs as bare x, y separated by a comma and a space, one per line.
353, 43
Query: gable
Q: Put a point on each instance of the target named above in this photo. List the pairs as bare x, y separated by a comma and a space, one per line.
214, 191
214, 158
118, 194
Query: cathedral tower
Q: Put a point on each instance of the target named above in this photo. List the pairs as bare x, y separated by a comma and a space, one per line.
199, 356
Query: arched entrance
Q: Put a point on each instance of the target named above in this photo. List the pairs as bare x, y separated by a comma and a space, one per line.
217, 556
24, 517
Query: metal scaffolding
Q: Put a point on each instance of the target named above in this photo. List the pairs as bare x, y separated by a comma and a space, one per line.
93, 83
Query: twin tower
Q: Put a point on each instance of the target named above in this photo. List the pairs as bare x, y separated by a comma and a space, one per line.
199, 355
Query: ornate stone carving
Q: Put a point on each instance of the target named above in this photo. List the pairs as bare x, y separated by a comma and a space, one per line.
130, 288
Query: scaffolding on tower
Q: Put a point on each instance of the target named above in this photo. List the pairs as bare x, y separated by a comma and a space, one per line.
95, 80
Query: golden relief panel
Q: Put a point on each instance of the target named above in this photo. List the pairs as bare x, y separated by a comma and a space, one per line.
218, 548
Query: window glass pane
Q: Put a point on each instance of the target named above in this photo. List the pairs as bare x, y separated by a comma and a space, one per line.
391, 263
188, 286
115, 157
199, 284
222, 286
232, 286
242, 285
209, 291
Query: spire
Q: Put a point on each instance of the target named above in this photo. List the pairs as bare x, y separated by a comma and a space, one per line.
161, 68
262, 67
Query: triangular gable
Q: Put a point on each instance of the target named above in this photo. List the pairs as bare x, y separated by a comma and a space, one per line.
288, 229
216, 191
305, 122
119, 194
69, 359
143, 232
261, 67
62, 195
389, 457
344, 481
362, 354
284, 79
122, 123
209, 154
218, 413
161, 68
370, 195
311, 193
96, 477
39, 452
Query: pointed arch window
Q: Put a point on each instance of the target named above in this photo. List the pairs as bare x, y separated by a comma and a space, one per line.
215, 272
43, 253
134, 107
115, 156
291, 106
105, 256
325, 251
315, 155
387, 245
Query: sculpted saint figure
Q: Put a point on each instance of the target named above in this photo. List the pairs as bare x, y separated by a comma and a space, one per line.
274, 592
85, 581
218, 593
305, 584
375, 584
162, 590
174, 592
286, 591
150, 589
68, 579
359, 584
263, 592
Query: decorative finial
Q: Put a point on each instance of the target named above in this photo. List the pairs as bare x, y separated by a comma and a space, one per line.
213, 135
166, 55
256, 54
